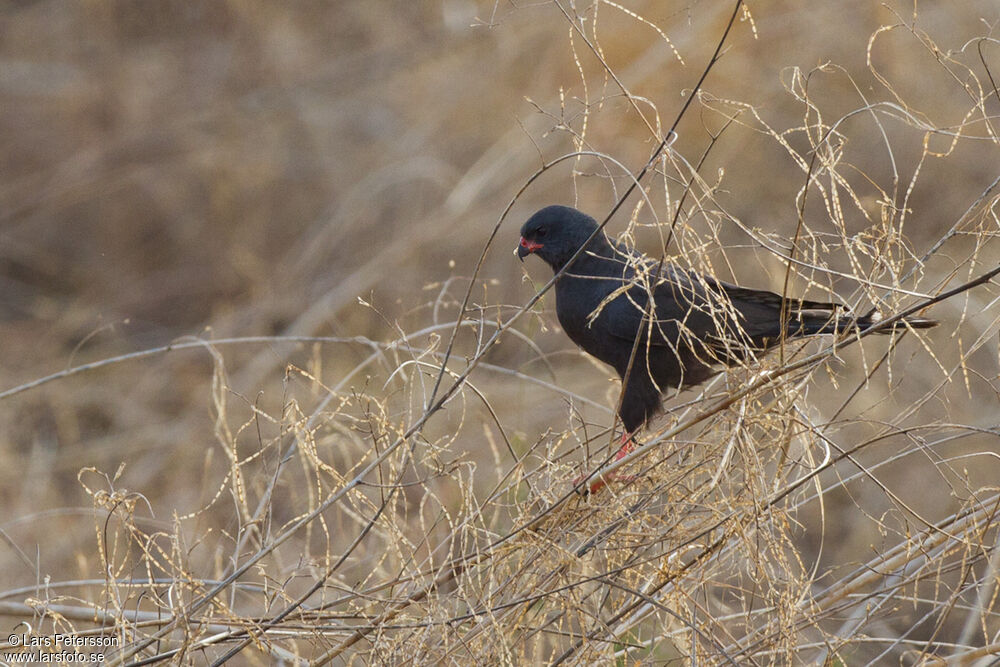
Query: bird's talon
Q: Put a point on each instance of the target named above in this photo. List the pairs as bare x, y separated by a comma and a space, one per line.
599, 482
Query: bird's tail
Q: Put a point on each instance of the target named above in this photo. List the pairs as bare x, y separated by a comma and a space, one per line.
809, 322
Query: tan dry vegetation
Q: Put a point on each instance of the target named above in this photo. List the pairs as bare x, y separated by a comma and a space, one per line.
293, 198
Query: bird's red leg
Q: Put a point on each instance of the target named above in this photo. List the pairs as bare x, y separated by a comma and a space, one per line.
627, 446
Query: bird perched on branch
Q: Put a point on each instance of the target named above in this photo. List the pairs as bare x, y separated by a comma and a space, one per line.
658, 325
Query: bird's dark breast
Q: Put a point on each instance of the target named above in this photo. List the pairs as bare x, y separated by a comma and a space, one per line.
663, 357
592, 337
606, 327
577, 300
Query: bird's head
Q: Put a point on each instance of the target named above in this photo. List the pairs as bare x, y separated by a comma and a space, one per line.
555, 233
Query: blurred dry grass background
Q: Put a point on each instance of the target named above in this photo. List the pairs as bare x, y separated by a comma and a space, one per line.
247, 169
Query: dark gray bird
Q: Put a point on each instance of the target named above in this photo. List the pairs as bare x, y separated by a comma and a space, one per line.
694, 325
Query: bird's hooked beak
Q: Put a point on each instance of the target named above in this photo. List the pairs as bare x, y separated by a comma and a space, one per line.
526, 247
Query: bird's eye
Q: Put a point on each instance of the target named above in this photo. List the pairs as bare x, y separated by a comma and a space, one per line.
540, 233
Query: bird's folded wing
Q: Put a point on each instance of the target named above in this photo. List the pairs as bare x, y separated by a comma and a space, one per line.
765, 298
629, 316
704, 307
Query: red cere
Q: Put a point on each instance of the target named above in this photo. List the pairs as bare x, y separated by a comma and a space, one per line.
532, 246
